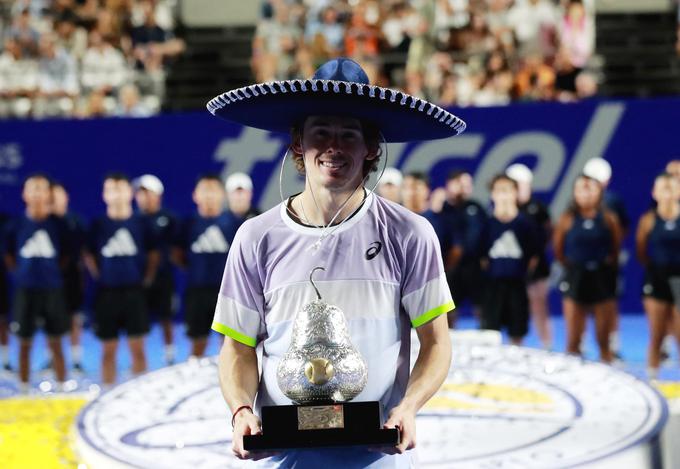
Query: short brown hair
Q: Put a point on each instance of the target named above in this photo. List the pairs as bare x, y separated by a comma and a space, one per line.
372, 137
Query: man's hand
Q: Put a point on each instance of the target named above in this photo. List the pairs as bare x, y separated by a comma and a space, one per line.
403, 417
247, 423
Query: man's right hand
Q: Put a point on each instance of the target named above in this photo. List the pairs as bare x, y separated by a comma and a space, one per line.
247, 423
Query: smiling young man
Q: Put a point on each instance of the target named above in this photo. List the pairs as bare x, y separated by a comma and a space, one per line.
382, 263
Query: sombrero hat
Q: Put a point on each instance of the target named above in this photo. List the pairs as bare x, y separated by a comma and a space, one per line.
339, 87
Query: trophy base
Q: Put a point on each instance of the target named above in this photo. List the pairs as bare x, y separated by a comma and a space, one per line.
318, 426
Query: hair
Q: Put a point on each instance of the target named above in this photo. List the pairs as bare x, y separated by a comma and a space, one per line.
37, 175
455, 174
209, 177
418, 176
54, 183
664, 175
502, 177
116, 176
372, 137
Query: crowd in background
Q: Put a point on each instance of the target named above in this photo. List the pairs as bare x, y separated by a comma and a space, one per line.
498, 260
85, 58
452, 52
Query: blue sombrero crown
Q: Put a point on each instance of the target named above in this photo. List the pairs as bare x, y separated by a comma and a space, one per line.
339, 87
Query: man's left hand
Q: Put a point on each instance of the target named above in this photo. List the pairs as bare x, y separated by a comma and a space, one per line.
404, 418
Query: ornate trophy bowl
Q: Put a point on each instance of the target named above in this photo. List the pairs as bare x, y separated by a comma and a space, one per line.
321, 372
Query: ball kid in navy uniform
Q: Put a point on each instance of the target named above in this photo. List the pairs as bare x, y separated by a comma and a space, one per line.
36, 251
509, 252
463, 219
587, 240
4, 300
239, 189
658, 248
122, 257
538, 286
159, 295
73, 270
201, 248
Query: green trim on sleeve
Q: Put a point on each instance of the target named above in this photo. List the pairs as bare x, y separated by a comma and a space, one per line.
431, 314
237, 336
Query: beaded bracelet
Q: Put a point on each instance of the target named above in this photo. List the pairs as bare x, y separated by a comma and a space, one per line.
233, 417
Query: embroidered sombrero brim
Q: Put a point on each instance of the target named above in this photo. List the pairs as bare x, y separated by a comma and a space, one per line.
339, 87
278, 105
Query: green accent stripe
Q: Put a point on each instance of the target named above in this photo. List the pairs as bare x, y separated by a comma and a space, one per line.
431, 314
237, 336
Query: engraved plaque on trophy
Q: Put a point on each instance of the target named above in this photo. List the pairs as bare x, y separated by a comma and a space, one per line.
321, 373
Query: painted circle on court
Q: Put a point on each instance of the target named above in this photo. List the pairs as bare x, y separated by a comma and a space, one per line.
498, 404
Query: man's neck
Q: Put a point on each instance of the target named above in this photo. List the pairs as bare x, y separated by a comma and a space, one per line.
669, 211
208, 212
37, 213
119, 213
505, 213
321, 206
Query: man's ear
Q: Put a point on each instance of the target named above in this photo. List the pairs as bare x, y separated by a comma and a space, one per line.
296, 144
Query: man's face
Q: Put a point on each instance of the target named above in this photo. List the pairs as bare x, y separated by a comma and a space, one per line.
390, 191
587, 192
146, 199
239, 199
209, 195
459, 187
414, 191
334, 152
504, 192
59, 200
117, 192
666, 190
36, 193
673, 168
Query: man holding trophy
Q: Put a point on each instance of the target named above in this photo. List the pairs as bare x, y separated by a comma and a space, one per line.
329, 283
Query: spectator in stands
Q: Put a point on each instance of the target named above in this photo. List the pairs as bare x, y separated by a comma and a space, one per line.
537, 287
533, 22
152, 46
163, 224
57, 81
70, 36
509, 252
577, 35
328, 29
36, 247
18, 81
274, 45
673, 168
104, 69
201, 248
129, 103
72, 270
390, 185
121, 256
24, 34
587, 241
658, 249
535, 80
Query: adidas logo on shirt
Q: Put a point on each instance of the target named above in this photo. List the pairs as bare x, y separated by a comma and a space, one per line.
38, 245
211, 241
120, 244
506, 247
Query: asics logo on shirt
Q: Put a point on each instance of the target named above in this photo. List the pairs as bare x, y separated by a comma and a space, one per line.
38, 245
506, 247
373, 250
120, 244
210, 241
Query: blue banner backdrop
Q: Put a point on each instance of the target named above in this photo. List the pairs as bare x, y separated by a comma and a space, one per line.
637, 137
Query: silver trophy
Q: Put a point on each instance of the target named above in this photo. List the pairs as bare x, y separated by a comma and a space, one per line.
321, 364
320, 373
